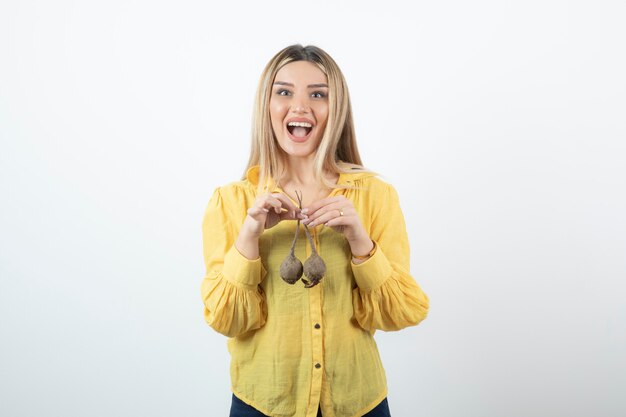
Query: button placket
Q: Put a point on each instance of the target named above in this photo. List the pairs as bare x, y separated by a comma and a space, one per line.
317, 344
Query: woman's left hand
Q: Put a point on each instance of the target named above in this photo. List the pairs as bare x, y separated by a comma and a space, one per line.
339, 214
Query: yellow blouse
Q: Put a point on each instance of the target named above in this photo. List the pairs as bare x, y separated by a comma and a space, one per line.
293, 348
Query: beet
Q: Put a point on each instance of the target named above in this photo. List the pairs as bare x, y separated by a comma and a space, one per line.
291, 267
314, 266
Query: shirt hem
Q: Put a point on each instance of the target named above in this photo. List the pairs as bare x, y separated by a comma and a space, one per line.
370, 407
250, 403
359, 413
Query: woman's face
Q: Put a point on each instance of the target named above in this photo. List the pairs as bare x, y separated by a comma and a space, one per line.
299, 107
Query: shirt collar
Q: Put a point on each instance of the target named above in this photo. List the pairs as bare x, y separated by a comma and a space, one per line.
252, 175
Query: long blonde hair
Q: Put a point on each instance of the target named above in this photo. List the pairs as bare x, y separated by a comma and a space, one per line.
337, 151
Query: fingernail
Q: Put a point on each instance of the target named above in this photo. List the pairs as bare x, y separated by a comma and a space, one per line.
305, 210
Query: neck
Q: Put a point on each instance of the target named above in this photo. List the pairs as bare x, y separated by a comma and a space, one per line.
299, 171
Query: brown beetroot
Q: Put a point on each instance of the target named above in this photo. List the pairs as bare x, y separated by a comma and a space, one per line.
314, 266
291, 267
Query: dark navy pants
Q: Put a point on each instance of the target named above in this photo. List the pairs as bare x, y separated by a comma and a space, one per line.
240, 409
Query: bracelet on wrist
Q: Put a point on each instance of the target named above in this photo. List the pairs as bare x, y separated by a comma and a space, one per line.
362, 257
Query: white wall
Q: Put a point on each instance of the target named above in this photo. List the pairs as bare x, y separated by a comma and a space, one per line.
501, 124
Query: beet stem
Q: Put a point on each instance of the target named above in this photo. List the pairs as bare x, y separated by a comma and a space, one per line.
295, 237
308, 235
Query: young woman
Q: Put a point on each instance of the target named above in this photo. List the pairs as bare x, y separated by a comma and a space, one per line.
297, 350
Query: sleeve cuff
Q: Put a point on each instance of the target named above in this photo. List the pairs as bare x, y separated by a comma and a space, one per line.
242, 271
371, 273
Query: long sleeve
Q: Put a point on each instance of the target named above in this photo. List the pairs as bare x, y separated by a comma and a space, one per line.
387, 297
233, 301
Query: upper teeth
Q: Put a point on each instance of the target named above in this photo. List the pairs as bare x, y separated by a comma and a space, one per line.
300, 124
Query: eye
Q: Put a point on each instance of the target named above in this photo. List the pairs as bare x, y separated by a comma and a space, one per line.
283, 92
318, 94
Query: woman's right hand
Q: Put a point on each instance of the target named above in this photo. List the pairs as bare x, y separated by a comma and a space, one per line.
266, 212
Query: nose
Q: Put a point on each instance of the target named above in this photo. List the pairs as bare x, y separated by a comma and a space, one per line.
300, 106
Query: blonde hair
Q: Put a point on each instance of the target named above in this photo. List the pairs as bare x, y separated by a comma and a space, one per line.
337, 151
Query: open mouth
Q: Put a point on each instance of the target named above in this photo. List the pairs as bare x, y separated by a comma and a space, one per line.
299, 130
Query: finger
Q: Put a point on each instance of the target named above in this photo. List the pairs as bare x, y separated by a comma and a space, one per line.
254, 212
331, 215
272, 203
344, 206
284, 207
290, 215
336, 222
286, 202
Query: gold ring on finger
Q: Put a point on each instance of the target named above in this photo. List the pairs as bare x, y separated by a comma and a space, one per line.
340, 212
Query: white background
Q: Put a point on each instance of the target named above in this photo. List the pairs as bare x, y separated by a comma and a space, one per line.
501, 124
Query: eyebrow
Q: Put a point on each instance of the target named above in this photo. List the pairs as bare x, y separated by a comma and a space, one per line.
308, 86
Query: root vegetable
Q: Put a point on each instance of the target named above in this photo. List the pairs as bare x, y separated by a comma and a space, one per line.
314, 266
291, 268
